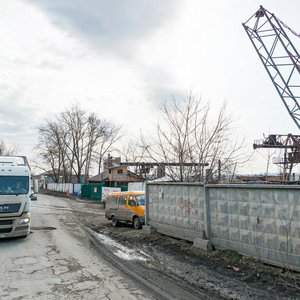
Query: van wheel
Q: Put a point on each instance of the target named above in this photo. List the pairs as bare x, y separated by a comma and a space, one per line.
136, 223
114, 222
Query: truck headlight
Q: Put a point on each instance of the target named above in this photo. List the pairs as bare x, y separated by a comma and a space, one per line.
24, 221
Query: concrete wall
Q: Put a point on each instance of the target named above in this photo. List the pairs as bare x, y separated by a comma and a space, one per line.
71, 188
137, 186
262, 221
176, 209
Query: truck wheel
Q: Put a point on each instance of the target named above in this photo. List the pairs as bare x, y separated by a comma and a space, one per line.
114, 222
136, 223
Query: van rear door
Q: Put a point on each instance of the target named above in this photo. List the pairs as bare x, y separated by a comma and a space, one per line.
121, 213
111, 206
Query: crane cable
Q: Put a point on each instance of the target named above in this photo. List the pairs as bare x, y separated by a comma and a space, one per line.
289, 28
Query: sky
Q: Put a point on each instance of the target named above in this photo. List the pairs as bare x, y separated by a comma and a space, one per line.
122, 59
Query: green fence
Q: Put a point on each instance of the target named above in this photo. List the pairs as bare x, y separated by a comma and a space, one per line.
94, 191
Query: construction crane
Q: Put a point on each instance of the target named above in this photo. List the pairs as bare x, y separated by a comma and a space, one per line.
282, 63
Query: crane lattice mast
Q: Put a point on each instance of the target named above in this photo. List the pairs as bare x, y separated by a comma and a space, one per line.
279, 57
282, 63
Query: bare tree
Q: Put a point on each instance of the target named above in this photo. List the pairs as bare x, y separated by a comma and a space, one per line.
52, 149
133, 152
110, 134
188, 134
269, 153
7, 150
216, 145
68, 145
83, 131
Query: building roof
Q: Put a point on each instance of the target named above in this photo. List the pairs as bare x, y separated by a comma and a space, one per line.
99, 177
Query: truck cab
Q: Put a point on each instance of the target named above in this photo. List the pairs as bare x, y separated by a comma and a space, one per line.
15, 191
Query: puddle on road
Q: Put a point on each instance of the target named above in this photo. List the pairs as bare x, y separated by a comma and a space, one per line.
43, 228
56, 207
121, 251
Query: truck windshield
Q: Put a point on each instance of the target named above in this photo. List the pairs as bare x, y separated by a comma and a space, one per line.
14, 185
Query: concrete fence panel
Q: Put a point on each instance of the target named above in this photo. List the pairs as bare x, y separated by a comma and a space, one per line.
60, 187
262, 221
176, 209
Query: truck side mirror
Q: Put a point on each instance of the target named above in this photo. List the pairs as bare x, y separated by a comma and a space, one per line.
35, 186
33, 197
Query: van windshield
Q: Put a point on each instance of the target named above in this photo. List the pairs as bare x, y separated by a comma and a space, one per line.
14, 185
140, 199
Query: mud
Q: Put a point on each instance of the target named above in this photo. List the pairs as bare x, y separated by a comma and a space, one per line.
224, 274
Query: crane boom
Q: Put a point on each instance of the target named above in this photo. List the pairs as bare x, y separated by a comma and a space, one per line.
279, 57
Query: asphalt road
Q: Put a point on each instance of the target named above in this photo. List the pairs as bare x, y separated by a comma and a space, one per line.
56, 261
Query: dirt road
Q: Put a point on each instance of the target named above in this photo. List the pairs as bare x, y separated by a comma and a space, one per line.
73, 252
216, 274
54, 264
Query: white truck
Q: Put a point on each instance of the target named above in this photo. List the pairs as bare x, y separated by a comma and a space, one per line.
15, 196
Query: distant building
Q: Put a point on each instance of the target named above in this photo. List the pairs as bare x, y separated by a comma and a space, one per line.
258, 178
115, 173
49, 177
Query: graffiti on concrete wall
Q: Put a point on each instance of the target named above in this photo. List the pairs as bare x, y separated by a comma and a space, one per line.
187, 206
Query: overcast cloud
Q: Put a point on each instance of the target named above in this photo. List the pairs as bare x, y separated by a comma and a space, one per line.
110, 23
123, 58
